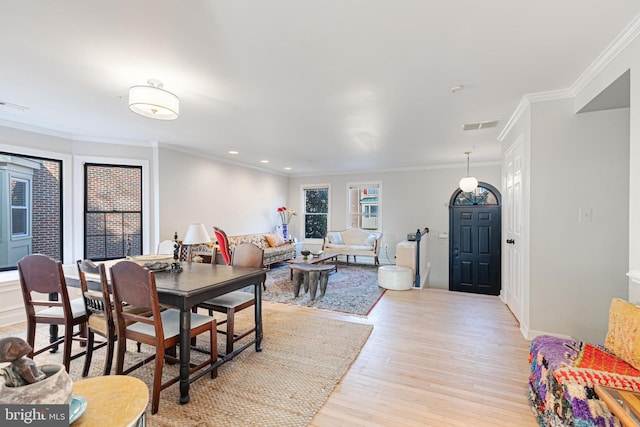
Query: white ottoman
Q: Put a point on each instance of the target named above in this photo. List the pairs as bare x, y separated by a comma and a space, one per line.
395, 277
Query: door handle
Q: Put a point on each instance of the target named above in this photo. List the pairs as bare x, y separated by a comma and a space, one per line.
511, 241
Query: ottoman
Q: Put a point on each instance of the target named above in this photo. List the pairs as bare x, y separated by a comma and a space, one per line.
395, 277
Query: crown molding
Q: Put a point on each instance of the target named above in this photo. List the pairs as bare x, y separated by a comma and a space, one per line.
628, 34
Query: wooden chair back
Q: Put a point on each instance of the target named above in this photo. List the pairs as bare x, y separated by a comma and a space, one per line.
247, 255
135, 286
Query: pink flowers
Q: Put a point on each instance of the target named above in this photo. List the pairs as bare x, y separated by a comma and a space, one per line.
286, 214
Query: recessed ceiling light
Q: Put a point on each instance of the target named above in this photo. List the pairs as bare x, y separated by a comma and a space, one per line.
232, 152
288, 168
455, 89
264, 161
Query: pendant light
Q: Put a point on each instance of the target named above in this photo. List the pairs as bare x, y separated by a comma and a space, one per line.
469, 183
153, 101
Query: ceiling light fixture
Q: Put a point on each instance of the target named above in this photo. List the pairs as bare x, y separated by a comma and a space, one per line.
469, 183
153, 101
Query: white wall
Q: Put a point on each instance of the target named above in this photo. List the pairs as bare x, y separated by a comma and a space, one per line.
411, 200
194, 188
574, 161
626, 58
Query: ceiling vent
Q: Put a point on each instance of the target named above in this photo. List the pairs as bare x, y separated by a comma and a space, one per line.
480, 125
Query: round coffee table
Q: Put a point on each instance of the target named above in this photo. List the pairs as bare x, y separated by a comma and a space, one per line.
116, 400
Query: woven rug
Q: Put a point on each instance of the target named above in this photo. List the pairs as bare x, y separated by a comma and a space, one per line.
303, 358
352, 289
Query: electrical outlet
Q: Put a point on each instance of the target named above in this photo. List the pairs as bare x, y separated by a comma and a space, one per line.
585, 215
386, 246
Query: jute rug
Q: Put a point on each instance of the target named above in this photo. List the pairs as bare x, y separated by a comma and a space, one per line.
352, 289
303, 358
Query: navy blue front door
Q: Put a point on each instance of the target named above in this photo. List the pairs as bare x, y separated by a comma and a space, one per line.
475, 242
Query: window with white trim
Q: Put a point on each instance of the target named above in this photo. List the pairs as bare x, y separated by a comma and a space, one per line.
364, 206
316, 211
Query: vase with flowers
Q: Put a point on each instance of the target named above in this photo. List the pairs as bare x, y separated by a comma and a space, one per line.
285, 217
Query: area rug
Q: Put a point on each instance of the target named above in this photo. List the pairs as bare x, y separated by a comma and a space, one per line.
352, 289
303, 358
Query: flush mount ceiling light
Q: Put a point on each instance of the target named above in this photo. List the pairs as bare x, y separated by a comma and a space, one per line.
153, 101
469, 183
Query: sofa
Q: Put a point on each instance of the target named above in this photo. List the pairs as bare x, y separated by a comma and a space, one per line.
565, 371
275, 248
353, 242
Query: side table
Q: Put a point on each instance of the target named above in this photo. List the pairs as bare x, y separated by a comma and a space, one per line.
625, 405
114, 400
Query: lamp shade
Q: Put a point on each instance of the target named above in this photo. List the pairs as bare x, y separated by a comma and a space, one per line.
154, 102
196, 234
468, 184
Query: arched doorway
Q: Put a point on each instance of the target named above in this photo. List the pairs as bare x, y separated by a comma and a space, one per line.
475, 240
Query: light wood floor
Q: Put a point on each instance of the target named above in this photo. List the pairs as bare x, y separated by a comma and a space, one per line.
434, 358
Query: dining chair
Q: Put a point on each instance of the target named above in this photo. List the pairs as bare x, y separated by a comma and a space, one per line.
46, 300
101, 318
166, 247
133, 285
244, 255
223, 244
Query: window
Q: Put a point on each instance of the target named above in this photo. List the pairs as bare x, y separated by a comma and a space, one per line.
364, 206
480, 196
20, 202
32, 220
113, 211
316, 212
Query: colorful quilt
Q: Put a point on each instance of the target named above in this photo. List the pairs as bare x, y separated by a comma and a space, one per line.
563, 373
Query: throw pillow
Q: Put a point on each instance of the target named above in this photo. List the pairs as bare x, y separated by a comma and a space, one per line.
623, 335
371, 240
335, 238
274, 240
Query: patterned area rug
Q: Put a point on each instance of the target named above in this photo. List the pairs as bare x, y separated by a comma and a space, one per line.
303, 358
352, 289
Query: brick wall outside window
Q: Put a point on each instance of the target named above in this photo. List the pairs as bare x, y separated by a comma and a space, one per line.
113, 225
46, 210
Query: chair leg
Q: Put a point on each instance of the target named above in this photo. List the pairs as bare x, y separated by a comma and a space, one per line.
108, 358
230, 328
213, 339
122, 343
157, 380
89, 354
68, 340
31, 336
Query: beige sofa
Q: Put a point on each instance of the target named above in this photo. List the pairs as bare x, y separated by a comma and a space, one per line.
353, 242
272, 254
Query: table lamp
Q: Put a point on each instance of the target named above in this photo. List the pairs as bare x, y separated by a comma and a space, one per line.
196, 235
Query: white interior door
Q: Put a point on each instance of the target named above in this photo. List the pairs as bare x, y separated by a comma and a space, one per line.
513, 283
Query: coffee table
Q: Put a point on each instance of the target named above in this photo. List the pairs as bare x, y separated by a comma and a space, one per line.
315, 260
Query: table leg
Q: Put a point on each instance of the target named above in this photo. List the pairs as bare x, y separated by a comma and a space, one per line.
313, 283
324, 279
258, 316
185, 354
297, 281
53, 329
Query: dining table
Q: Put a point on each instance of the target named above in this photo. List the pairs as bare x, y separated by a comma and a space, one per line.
191, 285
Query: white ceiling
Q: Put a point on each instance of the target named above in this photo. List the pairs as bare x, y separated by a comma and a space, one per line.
319, 86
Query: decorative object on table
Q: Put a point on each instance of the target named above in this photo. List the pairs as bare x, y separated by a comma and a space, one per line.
196, 235
155, 262
24, 382
285, 217
175, 265
305, 253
